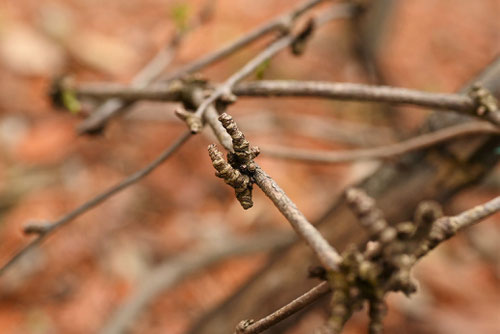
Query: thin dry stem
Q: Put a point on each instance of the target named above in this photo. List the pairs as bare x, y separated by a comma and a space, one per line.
327, 255
254, 327
172, 271
280, 23
355, 92
149, 73
446, 227
45, 230
280, 44
386, 151
471, 104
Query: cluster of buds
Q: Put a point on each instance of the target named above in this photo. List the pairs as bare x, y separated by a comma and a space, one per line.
237, 171
484, 99
384, 264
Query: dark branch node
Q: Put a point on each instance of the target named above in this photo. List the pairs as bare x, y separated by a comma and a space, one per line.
298, 45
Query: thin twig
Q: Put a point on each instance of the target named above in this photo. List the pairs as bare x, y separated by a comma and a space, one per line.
172, 271
286, 311
149, 73
288, 88
280, 23
327, 255
110, 109
386, 151
241, 171
42, 231
280, 44
356, 92
446, 227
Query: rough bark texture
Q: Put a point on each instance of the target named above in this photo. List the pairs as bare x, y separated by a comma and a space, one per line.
398, 187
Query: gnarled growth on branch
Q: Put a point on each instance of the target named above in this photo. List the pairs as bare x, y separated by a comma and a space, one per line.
238, 170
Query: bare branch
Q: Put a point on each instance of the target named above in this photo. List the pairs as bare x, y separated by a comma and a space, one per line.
280, 44
241, 171
446, 227
478, 103
386, 151
45, 230
99, 118
327, 255
149, 73
355, 92
171, 272
377, 306
280, 23
251, 327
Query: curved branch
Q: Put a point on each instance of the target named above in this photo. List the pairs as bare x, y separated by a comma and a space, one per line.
286, 311
280, 23
386, 151
288, 88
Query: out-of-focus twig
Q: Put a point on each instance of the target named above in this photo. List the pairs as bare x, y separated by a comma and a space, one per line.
43, 231
281, 23
170, 272
225, 89
149, 73
386, 151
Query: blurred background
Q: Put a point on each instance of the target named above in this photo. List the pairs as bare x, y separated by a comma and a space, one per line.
78, 279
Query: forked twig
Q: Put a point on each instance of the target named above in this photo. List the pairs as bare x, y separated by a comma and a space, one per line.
225, 89
443, 228
478, 103
241, 164
148, 74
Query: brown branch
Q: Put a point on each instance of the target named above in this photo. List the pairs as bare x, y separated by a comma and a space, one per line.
43, 231
111, 109
446, 227
388, 185
281, 23
466, 104
479, 102
327, 255
171, 272
281, 43
386, 151
149, 73
355, 92
251, 327
242, 171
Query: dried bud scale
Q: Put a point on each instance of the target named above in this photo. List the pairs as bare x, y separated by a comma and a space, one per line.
237, 171
233, 177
